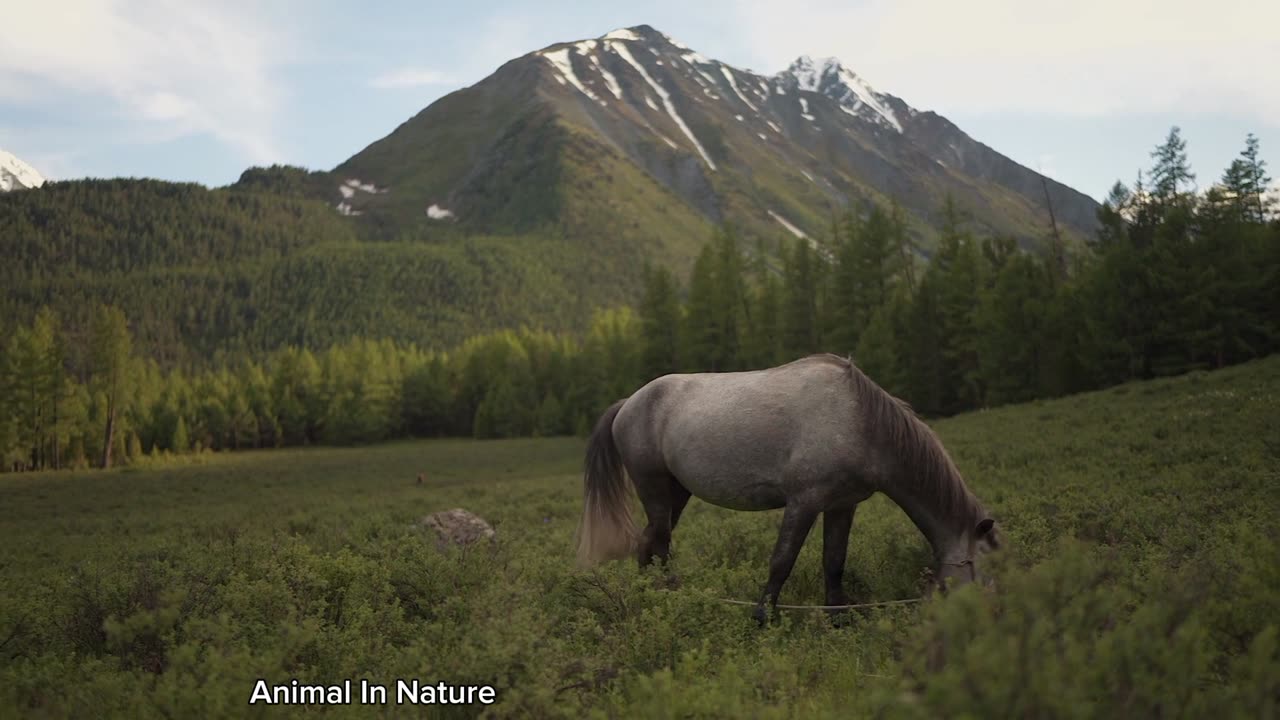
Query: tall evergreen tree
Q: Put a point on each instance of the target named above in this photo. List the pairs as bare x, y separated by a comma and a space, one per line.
111, 351
659, 313
702, 340
849, 315
800, 301
957, 274
1258, 183
730, 301
1171, 170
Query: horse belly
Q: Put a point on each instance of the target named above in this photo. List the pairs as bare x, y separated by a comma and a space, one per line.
730, 475
736, 492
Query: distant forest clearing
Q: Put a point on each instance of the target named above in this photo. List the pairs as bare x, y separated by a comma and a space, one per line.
1140, 576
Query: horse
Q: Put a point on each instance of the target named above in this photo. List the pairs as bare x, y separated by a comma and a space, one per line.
812, 436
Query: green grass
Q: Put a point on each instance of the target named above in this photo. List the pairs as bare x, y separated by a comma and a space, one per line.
1140, 578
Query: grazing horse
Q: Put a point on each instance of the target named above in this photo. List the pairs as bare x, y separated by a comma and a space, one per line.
812, 436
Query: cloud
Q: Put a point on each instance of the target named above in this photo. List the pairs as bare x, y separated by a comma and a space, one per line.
1090, 58
165, 69
409, 78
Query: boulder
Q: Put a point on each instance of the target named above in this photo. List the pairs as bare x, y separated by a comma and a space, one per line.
458, 527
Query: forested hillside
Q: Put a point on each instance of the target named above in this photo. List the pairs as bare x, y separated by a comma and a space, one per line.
220, 273
1175, 281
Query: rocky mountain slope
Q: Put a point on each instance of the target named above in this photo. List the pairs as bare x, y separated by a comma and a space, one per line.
637, 137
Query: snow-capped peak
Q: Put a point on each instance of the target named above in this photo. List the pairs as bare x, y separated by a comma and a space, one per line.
831, 78
806, 74
16, 174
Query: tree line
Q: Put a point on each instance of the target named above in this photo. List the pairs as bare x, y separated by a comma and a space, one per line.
207, 276
1175, 280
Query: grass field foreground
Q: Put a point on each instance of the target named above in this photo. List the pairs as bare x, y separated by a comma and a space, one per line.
1140, 578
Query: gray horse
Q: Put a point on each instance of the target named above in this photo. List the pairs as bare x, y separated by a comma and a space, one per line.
812, 436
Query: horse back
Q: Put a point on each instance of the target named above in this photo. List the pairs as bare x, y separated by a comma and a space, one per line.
746, 430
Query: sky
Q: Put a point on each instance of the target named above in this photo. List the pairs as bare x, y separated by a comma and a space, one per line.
202, 89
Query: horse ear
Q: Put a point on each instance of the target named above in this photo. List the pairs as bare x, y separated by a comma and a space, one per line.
985, 527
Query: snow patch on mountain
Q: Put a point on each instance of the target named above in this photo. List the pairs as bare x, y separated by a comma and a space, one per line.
851, 93
435, 212
622, 34
609, 79
863, 92
16, 174
625, 54
365, 187
784, 223
559, 59
804, 110
728, 75
805, 73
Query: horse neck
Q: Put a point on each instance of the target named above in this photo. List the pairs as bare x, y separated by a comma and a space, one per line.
946, 532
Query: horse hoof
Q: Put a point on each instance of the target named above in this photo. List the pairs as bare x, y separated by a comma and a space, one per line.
760, 615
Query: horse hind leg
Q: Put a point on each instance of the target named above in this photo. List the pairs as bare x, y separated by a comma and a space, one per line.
664, 500
679, 500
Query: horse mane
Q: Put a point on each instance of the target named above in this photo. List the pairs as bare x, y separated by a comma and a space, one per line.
928, 469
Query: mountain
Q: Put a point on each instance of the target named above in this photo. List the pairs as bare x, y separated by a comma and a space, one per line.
16, 174
638, 142
534, 197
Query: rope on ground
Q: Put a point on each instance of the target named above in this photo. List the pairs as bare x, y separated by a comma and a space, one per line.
827, 607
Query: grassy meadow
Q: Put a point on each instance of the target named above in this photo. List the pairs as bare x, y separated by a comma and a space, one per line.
1140, 578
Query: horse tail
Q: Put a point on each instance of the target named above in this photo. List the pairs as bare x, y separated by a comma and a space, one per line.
606, 531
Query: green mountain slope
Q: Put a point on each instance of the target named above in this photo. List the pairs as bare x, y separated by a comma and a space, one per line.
531, 197
728, 144
202, 271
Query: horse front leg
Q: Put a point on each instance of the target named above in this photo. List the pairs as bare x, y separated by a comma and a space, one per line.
796, 523
836, 525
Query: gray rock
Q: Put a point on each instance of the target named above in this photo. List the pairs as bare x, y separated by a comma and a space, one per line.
458, 527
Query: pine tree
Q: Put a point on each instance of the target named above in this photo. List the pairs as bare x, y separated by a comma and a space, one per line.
800, 297
730, 299
180, 442
875, 266
957, 275
702, 341
550, 417
1257, 182
660, 323
1009, 320
849, 316
425, 399
764, 342
111, 349
1113, 218
1171, 170
135, 448
879, 353
900, 239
